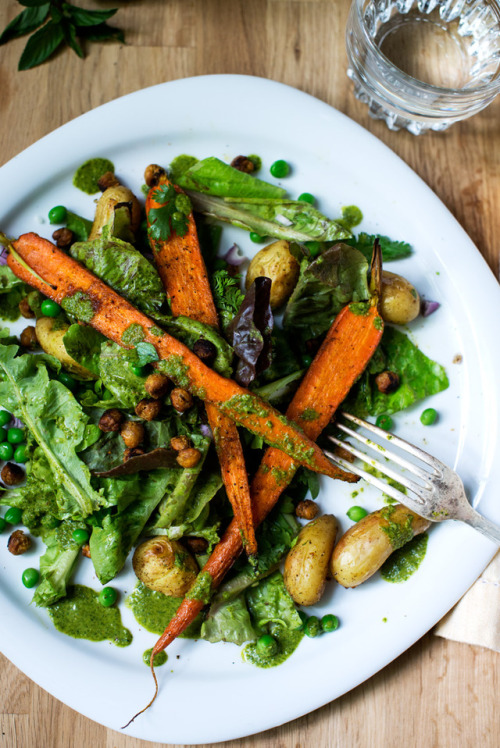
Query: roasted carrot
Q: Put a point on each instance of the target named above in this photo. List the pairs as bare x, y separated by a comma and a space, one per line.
343, 356
42, 265
184, 275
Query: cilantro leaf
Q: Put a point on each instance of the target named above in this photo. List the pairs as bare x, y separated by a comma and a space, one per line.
391, 250
171, 217
227, 295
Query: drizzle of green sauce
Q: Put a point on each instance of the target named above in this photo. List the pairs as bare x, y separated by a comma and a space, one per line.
404, 562
309, 414
79, 305
245, 405
175, 369
256, 161
133, 334
360, 308
181, 164
159, 659
377, 323
202, 588
288, 641
81, 615
156, 331
399, 533
351, 216
154, 611
87, 175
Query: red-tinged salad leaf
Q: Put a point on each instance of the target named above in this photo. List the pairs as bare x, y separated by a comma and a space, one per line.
250, 332
157, 458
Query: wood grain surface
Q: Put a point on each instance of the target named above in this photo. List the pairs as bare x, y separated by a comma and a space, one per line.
438, 693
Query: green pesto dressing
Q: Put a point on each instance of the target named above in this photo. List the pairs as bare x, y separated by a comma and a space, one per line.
159, 659
378, 324
79, 305
288, 641
351, 216
399, 533
256, 161
404, 562
154, 611
81, 615
133, 334
359, 308
176, 370
202, 588
87, 175
245, 405
309, 414
181, 164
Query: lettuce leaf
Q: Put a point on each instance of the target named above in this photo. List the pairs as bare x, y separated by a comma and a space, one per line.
213, 177
57, 423
419, 376
57, 564
325, 285
230, 623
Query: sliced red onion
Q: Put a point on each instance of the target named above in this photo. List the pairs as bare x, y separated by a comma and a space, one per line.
428, 307
234, 256
17, 423
283, 220
4, 253
206, 430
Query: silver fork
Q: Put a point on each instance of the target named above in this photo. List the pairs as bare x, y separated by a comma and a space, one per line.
437, 494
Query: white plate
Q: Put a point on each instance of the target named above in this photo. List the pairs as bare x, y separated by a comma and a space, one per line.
209, 694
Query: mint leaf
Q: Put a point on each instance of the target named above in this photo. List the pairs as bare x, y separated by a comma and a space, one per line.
146, 353
69, 31
28, 20
41, 45
81, 17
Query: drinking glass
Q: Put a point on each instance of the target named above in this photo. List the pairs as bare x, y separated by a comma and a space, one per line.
424, 64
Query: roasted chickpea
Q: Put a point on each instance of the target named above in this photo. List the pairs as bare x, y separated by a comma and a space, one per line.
64, 238
156, 385
244, 164
86, 550
132, 452
196, 545
111, 420
28, 338
132, 433
18, 543
180, 442
189, 458
148, 409
12, 474
181, 399
107, 180
306, 509
205, 350
387, 382
153, 174
25, 309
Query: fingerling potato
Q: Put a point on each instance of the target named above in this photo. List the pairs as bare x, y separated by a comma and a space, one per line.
50, 333
306, 564
365, 546
277, 263
165, 566
399, 300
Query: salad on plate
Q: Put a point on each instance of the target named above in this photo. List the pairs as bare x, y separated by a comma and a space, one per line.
168, 399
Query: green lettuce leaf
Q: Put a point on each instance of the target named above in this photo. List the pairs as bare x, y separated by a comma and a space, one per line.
57, 423
325, 285
230, 623
83, 343
57, 563
118, 377
419, 376
213, 177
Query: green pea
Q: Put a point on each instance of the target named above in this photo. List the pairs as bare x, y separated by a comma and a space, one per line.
257, 238
58, 214
5, 417
306, 197
6, 451
356, 513
384, 422
312, 627
80, 536
267, 645
50, 308
329, 623
307, 359
429, 416
107, 596
139, 371
3, 524
30, 577
15, 435
67, 380
280, 169
21, 453
13, 515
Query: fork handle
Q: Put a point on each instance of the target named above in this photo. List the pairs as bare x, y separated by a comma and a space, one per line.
485, 526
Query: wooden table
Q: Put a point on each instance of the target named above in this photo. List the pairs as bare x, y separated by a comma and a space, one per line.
438, 693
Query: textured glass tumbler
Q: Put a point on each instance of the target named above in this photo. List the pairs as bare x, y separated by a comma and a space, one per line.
424, 64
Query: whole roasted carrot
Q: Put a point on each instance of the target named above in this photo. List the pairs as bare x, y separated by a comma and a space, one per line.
42, 265
182, 269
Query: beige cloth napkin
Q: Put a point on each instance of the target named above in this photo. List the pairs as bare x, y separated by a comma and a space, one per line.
476, 618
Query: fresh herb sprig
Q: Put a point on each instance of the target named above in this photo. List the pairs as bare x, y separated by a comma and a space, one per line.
54, 24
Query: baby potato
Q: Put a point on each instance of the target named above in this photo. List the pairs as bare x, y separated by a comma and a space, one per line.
165, 566
306, 564
112, 201
277, 263
50, 333
399, 300
365, 546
